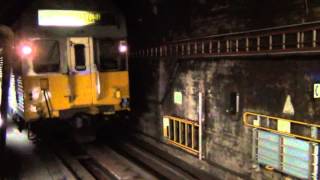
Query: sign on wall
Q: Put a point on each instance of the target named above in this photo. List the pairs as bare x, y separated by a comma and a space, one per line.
316, 90
288, 106
177, 97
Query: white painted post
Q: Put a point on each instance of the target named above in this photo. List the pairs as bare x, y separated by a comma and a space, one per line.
238, 103
283, 41
270, 42
200, 121
314, 38
237, 45
247, 44
200, 125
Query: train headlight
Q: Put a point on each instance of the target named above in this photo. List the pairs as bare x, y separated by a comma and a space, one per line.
25, 49
123, 47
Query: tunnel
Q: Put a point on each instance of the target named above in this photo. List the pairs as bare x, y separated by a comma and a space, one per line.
158, 89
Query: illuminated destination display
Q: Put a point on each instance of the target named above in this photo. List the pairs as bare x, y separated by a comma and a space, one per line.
72, 18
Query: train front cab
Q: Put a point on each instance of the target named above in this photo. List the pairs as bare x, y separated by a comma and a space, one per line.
63, 77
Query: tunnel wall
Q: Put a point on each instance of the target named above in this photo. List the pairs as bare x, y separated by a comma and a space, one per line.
153, 21
263, 84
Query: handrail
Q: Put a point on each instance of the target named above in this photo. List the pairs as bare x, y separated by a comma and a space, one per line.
282, 126
182, 120
299, 38
48, 103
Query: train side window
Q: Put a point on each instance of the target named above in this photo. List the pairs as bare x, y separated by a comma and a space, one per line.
80, 58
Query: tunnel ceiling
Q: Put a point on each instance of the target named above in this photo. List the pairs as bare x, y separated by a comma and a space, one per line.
139, 9
152, 21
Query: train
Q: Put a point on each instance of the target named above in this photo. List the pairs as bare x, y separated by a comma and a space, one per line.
71, 58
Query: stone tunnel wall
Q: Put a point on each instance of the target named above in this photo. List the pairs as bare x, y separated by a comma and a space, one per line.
263, 85
162, 20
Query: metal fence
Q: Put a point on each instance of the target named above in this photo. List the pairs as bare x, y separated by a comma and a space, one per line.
182, 133
286, 145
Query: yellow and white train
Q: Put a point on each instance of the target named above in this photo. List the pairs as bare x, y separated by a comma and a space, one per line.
69, 62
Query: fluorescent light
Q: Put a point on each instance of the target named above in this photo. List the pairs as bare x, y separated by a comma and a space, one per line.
72, 18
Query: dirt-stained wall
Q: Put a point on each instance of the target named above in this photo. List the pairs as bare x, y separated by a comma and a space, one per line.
263, 85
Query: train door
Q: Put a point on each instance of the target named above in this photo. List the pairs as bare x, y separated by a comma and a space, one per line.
80, 70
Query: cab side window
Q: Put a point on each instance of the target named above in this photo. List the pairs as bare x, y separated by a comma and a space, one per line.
80, 58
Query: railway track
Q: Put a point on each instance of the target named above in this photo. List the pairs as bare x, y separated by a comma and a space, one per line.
153, 162
102, 163
117, 161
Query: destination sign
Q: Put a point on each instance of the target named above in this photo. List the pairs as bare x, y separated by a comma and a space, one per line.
73, 18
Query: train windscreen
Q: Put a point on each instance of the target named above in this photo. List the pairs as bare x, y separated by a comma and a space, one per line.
107, 56
47, 57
